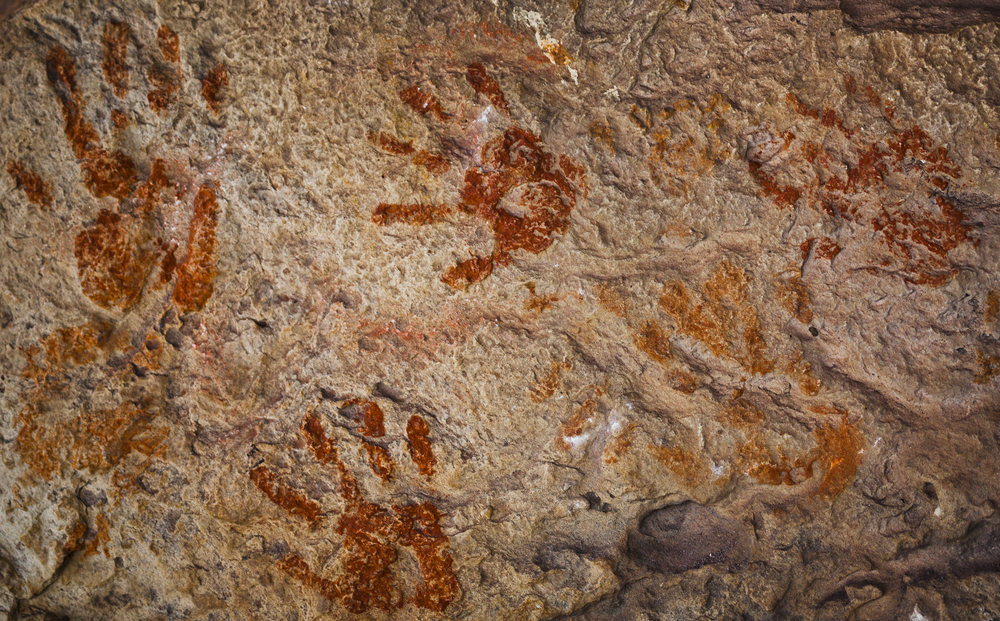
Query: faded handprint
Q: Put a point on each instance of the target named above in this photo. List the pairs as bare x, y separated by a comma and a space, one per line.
895, 180
372, 533
523, 192
118, 253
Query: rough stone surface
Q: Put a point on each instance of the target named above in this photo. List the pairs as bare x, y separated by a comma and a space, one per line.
479, 310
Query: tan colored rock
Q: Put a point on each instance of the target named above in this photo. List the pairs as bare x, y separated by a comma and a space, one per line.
491, 311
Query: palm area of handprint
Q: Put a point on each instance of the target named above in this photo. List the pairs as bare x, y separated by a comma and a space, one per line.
116, 254
522, 191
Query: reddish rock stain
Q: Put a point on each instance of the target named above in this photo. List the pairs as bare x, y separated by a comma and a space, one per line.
379, 461
825, 248
169, 43
484, 84
291, 500
989, 368
373, 419
119, 119
415, 214
849, 84
725, 321
435, 163
115, 42
547, 184
368, 553
417, 433
212, 86
165, 81
391, 144
540, 303
794, 296
195, 274
422, 102
105, 173
919, 241
517, 159
35, 188
468, 272
111, 266
691, 470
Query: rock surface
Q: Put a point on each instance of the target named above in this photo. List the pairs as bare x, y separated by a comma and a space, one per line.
480, 310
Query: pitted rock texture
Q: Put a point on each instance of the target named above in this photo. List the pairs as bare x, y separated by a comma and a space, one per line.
486, 310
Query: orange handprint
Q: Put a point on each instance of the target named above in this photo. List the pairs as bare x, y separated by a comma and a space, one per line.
118, 252
523, 192
371, 532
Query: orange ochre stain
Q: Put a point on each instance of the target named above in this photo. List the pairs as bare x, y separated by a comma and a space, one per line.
574, 426
422, 102
611, 300
435, 163
989, 368
794, 296
741, 415
801, 371
96, 439
918, 242
619, 445
35, 188
111, 263
119, 119
101, 537
104, 173
169, 43
289, 499
368, 553
417, 433
601, 132
546, 386
212, 86
686, 141
653, 340
557, 53
514, 160
725, 321
195, 274
540, 303
485, 84
838, 453
115, 42
681, 462
391, 144
416, 214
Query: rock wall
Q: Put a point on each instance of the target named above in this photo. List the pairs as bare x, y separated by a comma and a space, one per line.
422, 310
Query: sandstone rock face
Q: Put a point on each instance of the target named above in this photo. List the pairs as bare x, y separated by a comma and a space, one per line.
482, 310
